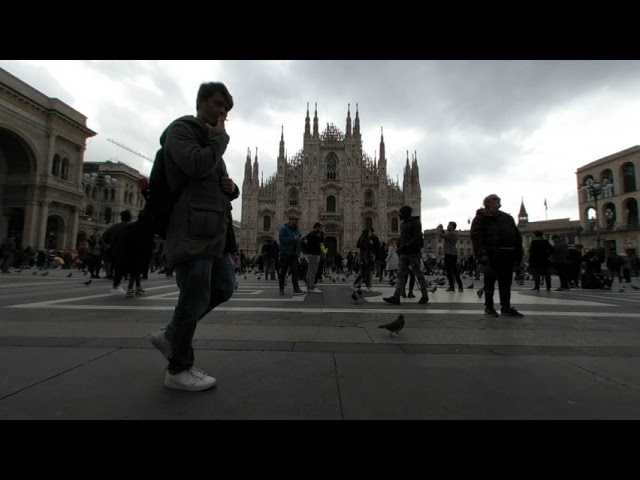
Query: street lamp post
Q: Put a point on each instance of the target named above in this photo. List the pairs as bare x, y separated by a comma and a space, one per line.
101, 180
594, 189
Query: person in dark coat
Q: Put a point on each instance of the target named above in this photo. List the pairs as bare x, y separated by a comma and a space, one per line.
497, 243
133, 250
540, 251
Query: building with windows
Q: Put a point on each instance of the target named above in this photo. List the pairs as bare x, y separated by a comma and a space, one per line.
109, 188
331, 180
609, 212
42, 145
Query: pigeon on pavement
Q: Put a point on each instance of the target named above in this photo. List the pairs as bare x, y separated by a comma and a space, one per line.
395, 326
70, 273
88, 282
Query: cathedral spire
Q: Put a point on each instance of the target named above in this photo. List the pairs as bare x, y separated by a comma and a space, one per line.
415, 175
348, 134
356, 125
316, 134
383, 160
281, 152
255, 168
247, 169
307, 124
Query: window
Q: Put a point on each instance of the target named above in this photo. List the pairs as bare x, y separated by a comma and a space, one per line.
368, 222
394, 224
610, 215
607, 178
55, 169
368, 198
331, 203
64, 173
266, 223
332, 166
629, 177
293, 197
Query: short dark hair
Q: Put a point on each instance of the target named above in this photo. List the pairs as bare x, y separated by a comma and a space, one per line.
455, 225
208, 90
317, 224
538, 233
125, 216
406, 209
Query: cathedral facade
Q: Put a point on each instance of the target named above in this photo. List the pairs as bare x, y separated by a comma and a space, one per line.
330, 180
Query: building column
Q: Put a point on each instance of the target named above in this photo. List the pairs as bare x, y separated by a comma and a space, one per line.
75, 214
29, 232
42, 230
50, 151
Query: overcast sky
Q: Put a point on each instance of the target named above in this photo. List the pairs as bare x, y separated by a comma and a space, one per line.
516, 128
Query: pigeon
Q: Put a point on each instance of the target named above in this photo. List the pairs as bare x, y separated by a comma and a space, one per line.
45, 273
35, 273
621, 290
433, 290
359, 292
259, 277
18, 271
88, 282
70, 273
395, 326
333, 280
354, 296
480, 292
470, 286
85, 272
236, 285
634, 287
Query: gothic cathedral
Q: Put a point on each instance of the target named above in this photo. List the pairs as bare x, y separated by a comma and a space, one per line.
332, 181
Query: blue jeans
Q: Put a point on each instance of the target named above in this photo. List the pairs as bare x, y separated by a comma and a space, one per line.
204, 284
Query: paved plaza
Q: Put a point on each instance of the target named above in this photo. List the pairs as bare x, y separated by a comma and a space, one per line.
70, 351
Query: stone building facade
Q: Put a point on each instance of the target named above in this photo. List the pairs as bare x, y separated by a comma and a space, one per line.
330, 180
42, 145
611, 218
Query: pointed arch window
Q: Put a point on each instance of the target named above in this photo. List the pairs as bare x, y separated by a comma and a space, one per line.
332, 167
266, 222
293, 197
331, 203
629, 177
368, 198
394, 224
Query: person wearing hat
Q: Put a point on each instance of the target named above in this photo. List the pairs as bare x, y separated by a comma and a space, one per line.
315, 239
289, 237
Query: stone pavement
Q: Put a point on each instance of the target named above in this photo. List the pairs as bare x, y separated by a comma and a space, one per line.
70, 351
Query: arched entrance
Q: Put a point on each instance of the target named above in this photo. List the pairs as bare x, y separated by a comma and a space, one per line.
17, 165
55, 232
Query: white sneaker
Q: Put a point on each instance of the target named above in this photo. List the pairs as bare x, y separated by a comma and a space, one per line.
159, 341
118, 291
354, 286
193, 380
314, 290
370, 290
